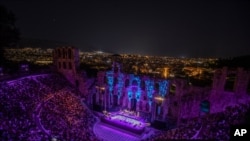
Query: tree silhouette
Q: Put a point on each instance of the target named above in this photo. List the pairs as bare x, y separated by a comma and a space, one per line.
9, 34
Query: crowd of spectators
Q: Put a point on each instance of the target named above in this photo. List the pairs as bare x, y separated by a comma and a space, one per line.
66, 118
43, 107
218, 125
207, 127
185, 131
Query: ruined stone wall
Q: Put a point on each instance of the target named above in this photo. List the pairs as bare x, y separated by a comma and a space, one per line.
66, 62
218, 97
221, 98
242, 81
191, 101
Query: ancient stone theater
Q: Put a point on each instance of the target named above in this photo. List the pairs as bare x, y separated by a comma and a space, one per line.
133, 102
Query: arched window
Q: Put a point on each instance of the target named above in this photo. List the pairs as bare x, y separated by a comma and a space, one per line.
64, 53
69, 53
230, 80
59, 65
70, 65
134, 83
143, 85
64, 65
126, 83
157, 87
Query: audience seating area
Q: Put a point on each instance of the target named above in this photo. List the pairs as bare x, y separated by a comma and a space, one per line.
209, 127
43, 107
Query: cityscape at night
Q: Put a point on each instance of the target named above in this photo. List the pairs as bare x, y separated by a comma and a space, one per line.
124, 70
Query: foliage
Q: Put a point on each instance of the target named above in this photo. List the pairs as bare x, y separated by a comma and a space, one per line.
9, 34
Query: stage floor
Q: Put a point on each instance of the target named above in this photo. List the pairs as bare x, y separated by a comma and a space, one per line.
130, 123
107, 133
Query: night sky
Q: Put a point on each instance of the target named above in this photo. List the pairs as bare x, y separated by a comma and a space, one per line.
171, 28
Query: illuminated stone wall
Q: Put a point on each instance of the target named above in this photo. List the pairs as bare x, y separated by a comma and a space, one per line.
185, 102
132, 92
142, 94
218, 96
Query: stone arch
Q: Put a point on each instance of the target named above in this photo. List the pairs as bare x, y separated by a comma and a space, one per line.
134, 82
157, 87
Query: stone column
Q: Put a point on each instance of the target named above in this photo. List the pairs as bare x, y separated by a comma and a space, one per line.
103, 101
165, 110
106, 104
152, 111
150, 107
118, 100
97, 96
137, 105
109, 100
129, 104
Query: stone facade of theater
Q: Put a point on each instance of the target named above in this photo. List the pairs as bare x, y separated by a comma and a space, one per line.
181, 99
141, 94
157, 99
